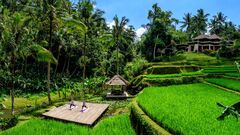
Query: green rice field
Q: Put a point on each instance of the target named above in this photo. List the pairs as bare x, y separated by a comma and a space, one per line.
173, 75
189, 109
220, 69
233, 74
227, 83
118, 125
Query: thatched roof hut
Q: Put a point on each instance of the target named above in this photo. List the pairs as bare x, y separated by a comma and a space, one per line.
118, 87
117, 80
207, 37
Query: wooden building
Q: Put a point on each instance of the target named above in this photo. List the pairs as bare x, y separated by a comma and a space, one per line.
204, 42
118, 86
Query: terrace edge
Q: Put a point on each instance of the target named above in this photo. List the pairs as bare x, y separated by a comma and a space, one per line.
144, 124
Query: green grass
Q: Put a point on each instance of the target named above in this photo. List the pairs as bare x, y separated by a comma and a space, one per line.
220, 69
197, 57
173, 75
189, 109
46, 127
227, 83
118, 125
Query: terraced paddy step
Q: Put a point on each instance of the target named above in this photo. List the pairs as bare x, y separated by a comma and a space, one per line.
189, 109
143, 123
222, 88
226, 83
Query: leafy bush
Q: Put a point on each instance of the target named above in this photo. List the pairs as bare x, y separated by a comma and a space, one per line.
135, 67
6, 123
210, 52
228, 50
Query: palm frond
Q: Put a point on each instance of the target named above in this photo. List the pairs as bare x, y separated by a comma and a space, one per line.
43, 55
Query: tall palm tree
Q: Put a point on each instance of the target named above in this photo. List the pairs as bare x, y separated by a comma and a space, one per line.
80, 28
14, 30
49, 9
117, 33
217, 23
220, 17
200, 22
187, 23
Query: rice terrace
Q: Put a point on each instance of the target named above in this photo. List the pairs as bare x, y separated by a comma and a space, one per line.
94, 67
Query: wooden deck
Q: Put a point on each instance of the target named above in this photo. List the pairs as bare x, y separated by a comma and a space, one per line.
88, 117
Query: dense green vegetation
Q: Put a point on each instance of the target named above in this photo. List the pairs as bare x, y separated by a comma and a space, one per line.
118, 125
189, 109
227, 83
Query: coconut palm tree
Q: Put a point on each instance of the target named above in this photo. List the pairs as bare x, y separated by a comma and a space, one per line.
200, 22
117, 33
93, 19
187, 23
217, 23
49, 9
13, 34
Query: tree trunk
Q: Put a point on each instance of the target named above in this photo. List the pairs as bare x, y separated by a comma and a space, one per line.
84, 71
49, 83
68, 63
64, 65
12, 92
117, 59
73, 72
84, 49
154, 49
154, 52
58, 55
50, 46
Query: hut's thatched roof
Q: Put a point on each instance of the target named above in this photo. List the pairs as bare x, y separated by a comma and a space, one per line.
211, 37
117, 80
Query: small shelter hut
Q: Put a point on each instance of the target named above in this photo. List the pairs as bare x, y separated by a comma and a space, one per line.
118, 85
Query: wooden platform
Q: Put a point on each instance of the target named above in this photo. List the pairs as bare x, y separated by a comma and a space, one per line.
88, 117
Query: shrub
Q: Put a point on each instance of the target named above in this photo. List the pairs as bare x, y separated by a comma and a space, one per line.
135, 67
6, 123
210, 52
